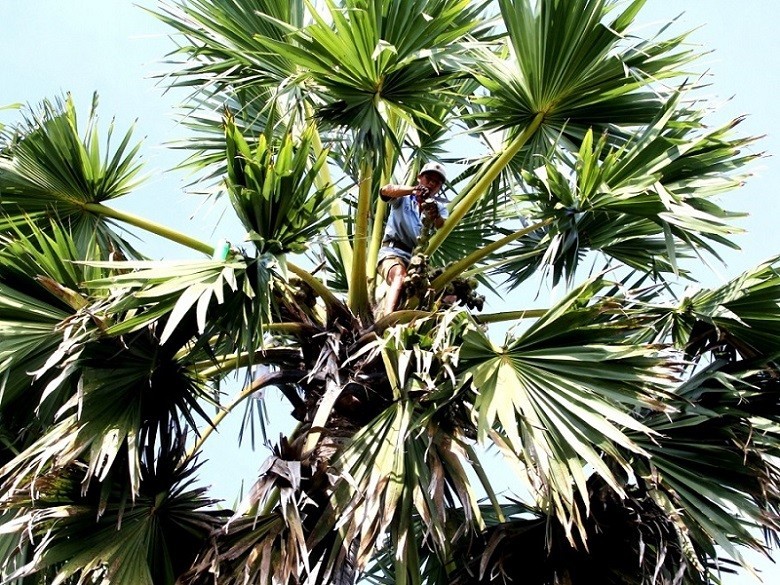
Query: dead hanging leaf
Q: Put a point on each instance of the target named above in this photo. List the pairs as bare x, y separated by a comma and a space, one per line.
65, 294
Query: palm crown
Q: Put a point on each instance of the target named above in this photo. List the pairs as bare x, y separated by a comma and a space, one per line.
640, 427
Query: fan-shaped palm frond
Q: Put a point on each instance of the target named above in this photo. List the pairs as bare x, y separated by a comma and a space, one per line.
48, 169
226, 67
631, 203
714, 458
42, 315
125, 392
221, 49
374, 60
252, 115
562, 394
733, 322
578, 69
220, 307
98, 533
736, 319
30, 335
566, 71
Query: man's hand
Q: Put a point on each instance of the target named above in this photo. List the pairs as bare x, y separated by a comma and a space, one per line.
420, 194
430, 210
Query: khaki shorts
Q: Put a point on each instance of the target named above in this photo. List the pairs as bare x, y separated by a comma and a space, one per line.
387, 263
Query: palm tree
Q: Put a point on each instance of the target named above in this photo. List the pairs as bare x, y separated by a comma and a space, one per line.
638, 424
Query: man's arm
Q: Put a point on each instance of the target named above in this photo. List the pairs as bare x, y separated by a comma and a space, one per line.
395, 191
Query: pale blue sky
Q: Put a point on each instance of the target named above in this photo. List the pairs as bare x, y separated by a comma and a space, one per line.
113, 47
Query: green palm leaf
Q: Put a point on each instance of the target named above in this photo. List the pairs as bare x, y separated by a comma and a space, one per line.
709, 460
48, 170
29, 336
568, 63
562, 394
116, 406
738, 317
414, 471
224, 306
273, 190
646, 204
565, 70
373, 60
733, 322
227, 68
221, 39
42, 305
102, 534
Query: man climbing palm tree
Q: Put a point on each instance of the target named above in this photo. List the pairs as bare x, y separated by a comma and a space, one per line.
410, 207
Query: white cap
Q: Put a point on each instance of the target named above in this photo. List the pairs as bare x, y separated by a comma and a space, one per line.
434, 167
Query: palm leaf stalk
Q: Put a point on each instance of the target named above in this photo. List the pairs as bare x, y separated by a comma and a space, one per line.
358, 286
324, 181
511, 315
378, 222
150, 226
459, 267
486, 178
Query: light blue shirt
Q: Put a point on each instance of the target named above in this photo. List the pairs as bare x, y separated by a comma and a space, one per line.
404, 225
